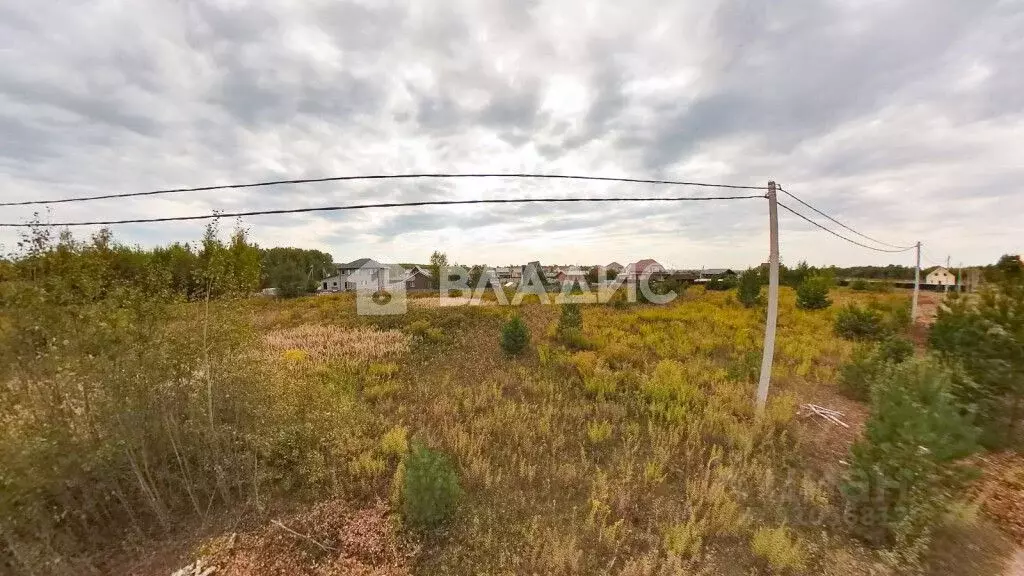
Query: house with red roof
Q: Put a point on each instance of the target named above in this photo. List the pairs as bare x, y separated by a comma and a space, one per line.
646, 268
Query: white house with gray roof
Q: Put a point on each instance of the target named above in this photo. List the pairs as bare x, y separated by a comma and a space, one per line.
359, 275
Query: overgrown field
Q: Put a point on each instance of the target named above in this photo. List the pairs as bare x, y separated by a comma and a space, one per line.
631, 448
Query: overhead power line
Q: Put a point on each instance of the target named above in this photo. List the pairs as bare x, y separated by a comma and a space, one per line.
382, 177
382, 205
834, 233
931, 260
865, 236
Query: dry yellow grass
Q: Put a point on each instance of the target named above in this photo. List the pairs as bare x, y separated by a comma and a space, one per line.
639, 455
325, 343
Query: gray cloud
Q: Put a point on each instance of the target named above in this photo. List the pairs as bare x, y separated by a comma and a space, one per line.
902, 118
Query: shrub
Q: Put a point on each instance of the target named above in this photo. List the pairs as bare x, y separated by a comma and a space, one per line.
859, 285
395, 442
781, 550
904, 469
867, 362
812, 293
881, 287
570, 327
430, 489
574, 339
856, 375
422, 330
515, 336
856, 323
895, 349
748, 292
899, 318
601, 383
598, 432
721, 284
984, 338
571, 318
673, 285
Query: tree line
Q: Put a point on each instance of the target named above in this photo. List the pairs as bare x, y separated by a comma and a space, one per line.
92, 268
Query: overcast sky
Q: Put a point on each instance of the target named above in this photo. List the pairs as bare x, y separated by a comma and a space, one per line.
904, 119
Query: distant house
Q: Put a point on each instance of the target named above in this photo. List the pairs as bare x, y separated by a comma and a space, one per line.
713, 273
418, 278
361, 274
939, 276
334, 283
646, 268
614, 267
572, 274
534, 272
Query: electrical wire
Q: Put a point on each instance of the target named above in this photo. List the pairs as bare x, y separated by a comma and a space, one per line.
380, 205
865, 236
931, 260
834, 233
383, 177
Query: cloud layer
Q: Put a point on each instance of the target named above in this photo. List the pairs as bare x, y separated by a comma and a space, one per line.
902, 118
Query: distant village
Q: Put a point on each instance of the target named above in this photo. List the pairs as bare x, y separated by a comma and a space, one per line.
369, 274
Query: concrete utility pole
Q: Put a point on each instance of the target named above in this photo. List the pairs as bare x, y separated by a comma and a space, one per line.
917, 285
768, 355
946, 289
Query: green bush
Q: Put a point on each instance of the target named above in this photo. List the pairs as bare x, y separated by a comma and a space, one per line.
904, 470
570, 327
672, 285
812, 293
721, 284
856, 375
856, 323
868, 361
895, 349
985, 338
430, 489
748, 291
859, 285
571, 319
881, 287
895, 314
515, 336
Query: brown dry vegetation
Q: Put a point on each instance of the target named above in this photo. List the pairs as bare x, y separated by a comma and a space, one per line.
639, 455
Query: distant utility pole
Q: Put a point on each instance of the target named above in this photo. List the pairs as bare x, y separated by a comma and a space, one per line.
773, 300
946, 288
917, 285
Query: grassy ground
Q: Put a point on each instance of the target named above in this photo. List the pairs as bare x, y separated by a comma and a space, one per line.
640, 454
637, 453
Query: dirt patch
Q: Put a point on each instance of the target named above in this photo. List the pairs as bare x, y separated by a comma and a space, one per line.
330, 539
928, 306
927, 310
826, 445
970, 550
1001, 491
